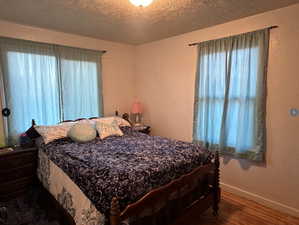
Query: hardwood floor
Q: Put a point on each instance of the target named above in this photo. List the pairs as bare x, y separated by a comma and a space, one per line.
235, 210
30, 210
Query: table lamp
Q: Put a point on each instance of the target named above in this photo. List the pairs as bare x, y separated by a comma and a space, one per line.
136, 113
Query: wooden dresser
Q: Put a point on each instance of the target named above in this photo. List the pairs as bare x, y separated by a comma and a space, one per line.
17, 172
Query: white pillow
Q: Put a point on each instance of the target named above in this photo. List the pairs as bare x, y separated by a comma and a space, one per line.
71, 123
51, 133
120, 121
108, 128
82, 132
67, 124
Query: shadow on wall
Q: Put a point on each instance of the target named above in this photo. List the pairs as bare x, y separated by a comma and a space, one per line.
244, 163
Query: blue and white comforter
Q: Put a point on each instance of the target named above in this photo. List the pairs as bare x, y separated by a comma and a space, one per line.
125, 167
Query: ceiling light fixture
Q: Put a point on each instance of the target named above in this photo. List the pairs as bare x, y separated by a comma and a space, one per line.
141, 3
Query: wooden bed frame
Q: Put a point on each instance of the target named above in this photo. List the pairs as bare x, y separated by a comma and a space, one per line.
197, 190
207, 176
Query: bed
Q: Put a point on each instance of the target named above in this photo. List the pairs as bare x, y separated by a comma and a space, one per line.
132, 179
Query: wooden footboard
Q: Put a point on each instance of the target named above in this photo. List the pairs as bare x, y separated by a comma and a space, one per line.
198, 189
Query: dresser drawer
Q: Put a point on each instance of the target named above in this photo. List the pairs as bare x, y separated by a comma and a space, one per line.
12, 161
12, 174
16, 185
11, 195
17, 171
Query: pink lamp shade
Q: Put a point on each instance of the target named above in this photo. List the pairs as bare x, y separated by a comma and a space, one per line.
136, 108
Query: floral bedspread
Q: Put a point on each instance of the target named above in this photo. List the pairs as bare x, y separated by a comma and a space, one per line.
125, 167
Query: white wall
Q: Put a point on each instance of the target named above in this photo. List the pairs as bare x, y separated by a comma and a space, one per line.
165, 77
118, 62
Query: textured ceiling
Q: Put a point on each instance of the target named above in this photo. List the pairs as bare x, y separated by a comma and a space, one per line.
119, 20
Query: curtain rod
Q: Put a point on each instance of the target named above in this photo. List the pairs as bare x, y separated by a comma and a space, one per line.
47, 43
197, 43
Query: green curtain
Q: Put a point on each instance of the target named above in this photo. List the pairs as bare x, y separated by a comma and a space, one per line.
80, 82
48, 83
230, 95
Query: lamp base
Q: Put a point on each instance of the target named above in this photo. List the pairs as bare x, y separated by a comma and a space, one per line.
136, 119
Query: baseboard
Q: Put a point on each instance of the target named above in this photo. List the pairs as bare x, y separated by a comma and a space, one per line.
259, 199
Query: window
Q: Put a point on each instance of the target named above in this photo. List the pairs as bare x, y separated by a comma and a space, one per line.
81, 86
229, 110
48, 83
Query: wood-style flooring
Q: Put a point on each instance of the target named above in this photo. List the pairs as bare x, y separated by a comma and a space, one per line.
235, 210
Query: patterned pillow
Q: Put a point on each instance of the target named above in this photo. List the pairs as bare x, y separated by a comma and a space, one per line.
120, 121
108, 128
51, 133
72, 122
82, 132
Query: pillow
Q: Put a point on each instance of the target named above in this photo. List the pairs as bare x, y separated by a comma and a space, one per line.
108, 128
73, 122
51, 133
120, 121
67, 124
66, 121
82, 132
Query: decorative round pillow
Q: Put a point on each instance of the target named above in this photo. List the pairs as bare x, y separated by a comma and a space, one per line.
82, 132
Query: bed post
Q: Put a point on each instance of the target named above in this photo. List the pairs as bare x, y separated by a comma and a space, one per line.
114, 212
216, 187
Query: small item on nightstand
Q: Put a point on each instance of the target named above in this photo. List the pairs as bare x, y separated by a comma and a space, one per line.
142, 129
5, 150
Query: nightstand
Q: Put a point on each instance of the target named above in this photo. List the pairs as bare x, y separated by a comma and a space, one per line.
143, 129
17, 172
